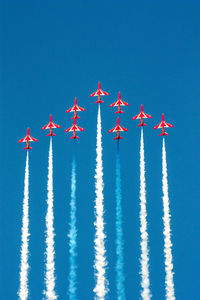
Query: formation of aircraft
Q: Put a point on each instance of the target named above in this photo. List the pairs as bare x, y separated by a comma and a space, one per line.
50, 126
162, 125
119, 103
27, 139
117, 129
99, 93
141, 116
74, 128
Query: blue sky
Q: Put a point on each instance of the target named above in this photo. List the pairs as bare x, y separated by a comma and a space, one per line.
53, 51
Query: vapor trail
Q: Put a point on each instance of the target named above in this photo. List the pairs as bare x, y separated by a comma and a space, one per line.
169, 283
23, 288
145, 293
73, 236
119, 233
100, 263
50, 263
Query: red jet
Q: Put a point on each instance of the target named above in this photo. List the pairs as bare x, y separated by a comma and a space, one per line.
51, 125
162, 125
119, 103
75, 108
141, 116
74, 128
117, 129
27, 139
99, 93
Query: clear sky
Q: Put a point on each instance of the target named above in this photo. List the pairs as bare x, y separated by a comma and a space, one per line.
52, 51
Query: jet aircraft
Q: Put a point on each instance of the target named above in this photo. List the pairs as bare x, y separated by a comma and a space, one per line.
75, 108
117, 129
74, 128
119, 103
99, 93
162, 125
27, 139
141, 116
50, 126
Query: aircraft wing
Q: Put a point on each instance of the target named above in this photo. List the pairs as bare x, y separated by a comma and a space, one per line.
31, 139
74, 128
22, 140
99, 93
118, 128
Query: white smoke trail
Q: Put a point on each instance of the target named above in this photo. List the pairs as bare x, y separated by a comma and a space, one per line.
145, 293
50, 264
100, 263
169, 283
119, 233
73, 236
23, 288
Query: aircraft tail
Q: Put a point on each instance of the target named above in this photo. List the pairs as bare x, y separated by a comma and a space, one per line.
99, 101
118, 138
142, 124
74, 137
119, 112
27, 147
51, 134
77, 117
163, 133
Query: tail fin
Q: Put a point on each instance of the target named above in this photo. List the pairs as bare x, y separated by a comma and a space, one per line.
77, 117
142, 124
99, 101
163, 133
27, 147
51, 134
118, 138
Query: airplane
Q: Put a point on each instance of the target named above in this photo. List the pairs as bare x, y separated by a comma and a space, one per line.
99, 93
141, 116
118, 103
117, 129
162, 125
74, 128
51, 125
27, 139
75, 108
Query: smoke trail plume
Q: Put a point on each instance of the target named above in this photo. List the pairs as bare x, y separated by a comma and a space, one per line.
145, 293
50, 263
169, 283
119, 233
23, 288
100, 263
73, 236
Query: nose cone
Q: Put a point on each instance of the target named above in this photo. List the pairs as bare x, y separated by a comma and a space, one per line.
50, 118
119, 95
163, 117
99, 85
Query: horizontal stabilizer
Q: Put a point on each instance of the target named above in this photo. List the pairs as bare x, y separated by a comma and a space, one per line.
119, 112
77, 117
50, 134
28, 147
118, 138
142, 124
74, 137
99, 101
163, 133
